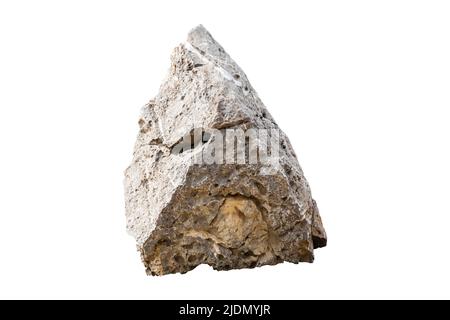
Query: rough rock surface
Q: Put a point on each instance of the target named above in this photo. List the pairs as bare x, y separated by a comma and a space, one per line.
228, 216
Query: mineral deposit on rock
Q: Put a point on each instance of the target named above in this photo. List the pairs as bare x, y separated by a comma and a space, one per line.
228, 214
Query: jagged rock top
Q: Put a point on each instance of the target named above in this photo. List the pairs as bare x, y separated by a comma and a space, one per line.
201, 43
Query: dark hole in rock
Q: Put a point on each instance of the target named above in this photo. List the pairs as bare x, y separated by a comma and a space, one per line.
179, 259
195, 138
158, 155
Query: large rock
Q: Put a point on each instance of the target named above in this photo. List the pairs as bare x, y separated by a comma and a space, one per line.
186, 208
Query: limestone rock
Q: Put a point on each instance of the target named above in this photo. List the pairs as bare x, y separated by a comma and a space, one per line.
226, 214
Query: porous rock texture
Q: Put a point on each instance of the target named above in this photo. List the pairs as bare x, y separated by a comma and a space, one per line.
228, 216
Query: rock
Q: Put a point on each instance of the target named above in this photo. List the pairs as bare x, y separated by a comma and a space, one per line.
189, 199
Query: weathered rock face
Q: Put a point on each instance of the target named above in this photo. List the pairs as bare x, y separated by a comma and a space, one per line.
228, 214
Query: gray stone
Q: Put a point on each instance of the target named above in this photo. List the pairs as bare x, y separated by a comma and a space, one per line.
226, 215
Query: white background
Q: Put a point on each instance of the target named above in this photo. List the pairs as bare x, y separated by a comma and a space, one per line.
362, 88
